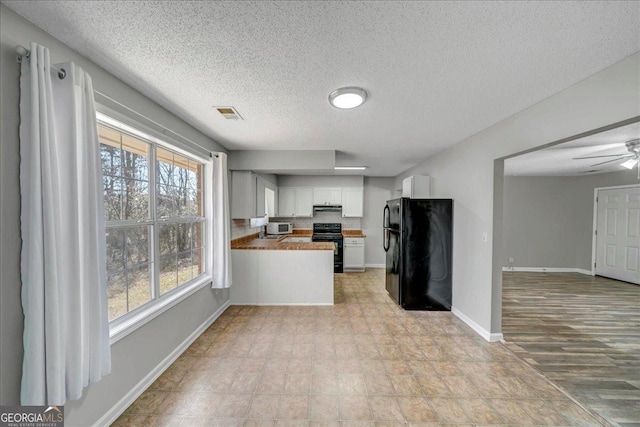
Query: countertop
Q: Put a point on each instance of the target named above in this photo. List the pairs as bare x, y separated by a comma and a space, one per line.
253, 242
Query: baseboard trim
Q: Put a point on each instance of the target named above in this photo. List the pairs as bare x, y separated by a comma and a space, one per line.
548, 270
479, 329
273, 304
375, 265
117, 410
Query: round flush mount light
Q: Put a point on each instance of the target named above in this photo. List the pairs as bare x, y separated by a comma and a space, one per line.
348, 97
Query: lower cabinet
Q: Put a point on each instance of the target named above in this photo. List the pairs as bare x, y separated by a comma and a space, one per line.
353, 254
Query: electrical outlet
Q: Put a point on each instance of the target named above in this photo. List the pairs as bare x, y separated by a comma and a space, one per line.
511, 260
485, 236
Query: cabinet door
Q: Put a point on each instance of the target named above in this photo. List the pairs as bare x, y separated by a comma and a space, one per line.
352, 202
354, 255
335, 196
304, 201
286, 201
261, 208
320, 196
243, 195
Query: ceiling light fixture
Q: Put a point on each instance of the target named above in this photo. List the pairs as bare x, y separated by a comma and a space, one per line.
348, 97
350, 168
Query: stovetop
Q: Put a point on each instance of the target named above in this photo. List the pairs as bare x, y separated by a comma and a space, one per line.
327, 228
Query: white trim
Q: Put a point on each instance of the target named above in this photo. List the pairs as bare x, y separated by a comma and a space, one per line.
549, 270
479, 329
375, 265
153, 309
112, 414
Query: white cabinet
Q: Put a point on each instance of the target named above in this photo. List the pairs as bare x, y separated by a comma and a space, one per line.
295, 201
251, 196
286, 201
416, 187
327, 196
353, 254
352, 202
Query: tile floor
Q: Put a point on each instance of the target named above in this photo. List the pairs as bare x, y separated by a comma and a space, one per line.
362, 362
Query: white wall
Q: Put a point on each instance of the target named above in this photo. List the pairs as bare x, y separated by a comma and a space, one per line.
139, 352
548, 221
465, 172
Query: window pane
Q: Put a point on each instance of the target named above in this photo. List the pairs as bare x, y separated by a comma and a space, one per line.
183, 237
117, 295
166, 204
137, 246
139, 286
111, 160
184, 267
167, 239
168, 273
182, 201
196, 262
196, 235
135, 159
135, 199
115, 249
112, 197
164, 166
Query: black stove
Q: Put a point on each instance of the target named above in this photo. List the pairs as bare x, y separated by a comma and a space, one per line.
330, 232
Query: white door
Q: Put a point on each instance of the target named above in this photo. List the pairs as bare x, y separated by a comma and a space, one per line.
618, 234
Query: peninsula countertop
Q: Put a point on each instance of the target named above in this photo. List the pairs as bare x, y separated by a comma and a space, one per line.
253, 242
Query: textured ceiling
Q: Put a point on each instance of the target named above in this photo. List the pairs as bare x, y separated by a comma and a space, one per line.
436, 72
560, 160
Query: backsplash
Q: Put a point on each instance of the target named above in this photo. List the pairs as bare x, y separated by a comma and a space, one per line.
242, 227
347, 223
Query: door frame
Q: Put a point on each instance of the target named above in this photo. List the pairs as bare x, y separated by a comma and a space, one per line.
595, 221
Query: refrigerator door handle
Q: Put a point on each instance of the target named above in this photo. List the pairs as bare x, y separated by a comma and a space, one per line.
385, 217
386, 241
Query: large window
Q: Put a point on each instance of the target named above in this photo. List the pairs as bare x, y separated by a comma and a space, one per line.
155, 219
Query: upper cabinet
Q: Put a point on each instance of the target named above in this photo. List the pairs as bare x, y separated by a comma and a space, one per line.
352, 202
295, 201
251, 196
327, 196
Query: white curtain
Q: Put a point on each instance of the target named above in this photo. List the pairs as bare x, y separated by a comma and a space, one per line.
221, 224
64, 299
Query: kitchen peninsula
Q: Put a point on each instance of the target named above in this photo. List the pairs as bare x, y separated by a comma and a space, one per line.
280, 272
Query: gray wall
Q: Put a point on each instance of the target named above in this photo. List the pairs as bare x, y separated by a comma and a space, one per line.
320, 181
548, 221
376, 193
465, 172
137, 354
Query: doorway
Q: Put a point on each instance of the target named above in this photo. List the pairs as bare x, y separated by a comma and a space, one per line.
617, 233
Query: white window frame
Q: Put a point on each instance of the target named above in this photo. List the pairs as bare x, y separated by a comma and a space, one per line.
134, 319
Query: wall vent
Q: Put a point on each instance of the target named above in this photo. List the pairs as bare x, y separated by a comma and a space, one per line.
229, 113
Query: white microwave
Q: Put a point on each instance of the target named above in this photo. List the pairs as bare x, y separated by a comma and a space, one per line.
279, 228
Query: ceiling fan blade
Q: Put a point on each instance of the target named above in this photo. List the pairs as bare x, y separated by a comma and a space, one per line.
610, 161
596, 157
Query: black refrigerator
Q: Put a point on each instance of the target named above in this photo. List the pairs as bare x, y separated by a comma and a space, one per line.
417, 241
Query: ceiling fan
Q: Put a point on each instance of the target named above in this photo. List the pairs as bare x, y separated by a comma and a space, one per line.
628, 160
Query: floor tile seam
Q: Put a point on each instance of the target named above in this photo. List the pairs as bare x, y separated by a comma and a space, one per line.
568, 395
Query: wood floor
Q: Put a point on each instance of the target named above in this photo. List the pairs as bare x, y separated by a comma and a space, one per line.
582, 333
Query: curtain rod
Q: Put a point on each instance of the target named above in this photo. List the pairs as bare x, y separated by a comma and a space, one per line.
23, 52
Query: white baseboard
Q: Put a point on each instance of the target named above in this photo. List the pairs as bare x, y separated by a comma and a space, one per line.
375, 265
479, 329
117, 410
279, 304
548, 270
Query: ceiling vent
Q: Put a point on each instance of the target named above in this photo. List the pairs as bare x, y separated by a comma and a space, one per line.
229, 113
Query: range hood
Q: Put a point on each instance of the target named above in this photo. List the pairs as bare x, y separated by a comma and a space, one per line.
327, 208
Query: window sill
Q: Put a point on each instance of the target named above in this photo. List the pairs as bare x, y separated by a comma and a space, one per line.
120, 329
